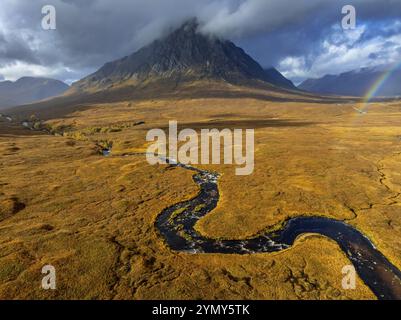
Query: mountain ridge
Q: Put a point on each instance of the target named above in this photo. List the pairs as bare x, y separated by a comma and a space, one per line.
28, 90
356, 82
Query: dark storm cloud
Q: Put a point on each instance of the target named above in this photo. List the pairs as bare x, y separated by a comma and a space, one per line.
92, 32
15, 48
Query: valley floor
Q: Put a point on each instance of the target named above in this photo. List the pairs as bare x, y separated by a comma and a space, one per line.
92, 217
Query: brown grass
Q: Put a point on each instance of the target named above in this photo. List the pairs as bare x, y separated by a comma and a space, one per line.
93, 217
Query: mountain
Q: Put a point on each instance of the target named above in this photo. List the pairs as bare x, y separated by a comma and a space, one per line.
278, 79
356, 82
29, 89
182, 56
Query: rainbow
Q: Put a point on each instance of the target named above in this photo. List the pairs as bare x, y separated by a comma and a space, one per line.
377, 85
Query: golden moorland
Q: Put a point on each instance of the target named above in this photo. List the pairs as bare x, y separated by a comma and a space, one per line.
92, 217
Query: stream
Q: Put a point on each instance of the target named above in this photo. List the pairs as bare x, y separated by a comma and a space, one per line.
176, 225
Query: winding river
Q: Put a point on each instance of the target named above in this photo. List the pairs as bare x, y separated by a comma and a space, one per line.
176, 224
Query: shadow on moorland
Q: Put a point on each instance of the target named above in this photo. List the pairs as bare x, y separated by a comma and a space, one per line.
242, 124
64, 106
11, 131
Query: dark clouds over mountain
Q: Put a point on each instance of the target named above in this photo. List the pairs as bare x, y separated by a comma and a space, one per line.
301, 38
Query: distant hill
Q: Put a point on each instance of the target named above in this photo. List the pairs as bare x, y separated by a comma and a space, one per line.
355, 83
182, 56
29, 89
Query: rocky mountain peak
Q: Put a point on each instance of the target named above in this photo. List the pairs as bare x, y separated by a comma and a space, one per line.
185, 54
